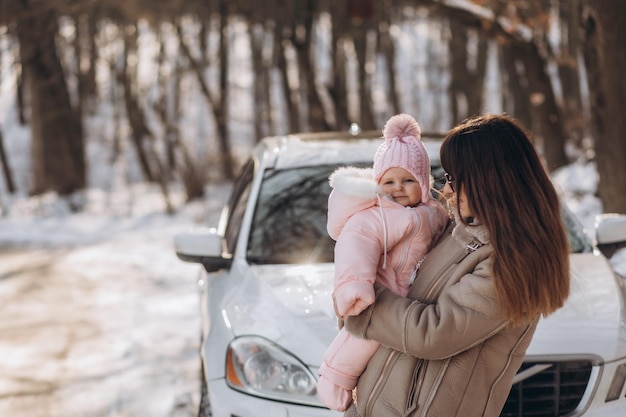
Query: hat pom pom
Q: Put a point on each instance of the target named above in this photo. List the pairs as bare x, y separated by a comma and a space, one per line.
401, 126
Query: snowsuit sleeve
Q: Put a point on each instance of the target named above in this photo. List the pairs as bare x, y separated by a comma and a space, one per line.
357, 254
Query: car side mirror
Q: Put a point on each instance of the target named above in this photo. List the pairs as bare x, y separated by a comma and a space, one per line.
203, 246
610, 233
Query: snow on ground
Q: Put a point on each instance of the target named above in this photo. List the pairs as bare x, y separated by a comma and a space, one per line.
99, 317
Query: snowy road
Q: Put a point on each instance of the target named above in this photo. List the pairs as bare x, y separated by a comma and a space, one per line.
108, 329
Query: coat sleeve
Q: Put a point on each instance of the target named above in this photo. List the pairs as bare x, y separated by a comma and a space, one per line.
464, 315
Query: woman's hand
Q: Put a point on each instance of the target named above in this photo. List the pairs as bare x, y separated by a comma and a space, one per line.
357, 324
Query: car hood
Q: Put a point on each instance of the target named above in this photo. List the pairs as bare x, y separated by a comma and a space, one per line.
592, 321
292, 306
288, 304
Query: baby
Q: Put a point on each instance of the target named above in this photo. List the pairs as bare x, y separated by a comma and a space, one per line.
384, 221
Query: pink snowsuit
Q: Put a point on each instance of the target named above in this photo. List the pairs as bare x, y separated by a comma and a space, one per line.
379, 240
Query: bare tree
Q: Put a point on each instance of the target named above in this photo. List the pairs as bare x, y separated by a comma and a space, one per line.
515, 95
362, 33
532, 55
217, 101
220, 111
167, 108
258, 36
85, 20
57, 149
302, 40
141, 134
338, 90
604, 26
387, 47
567, 59
362, 19
546, 115
6, 168
283, 33
468, 71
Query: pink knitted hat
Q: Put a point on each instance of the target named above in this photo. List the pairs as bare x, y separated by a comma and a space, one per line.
404, 149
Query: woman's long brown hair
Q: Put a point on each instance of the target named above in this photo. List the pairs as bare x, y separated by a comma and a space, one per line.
493, 160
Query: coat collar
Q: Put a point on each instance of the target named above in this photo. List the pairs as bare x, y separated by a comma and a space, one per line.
469, 234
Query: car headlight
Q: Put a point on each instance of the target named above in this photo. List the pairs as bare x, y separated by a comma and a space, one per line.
259, 367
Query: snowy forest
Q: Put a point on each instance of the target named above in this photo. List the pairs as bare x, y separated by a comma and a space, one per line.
183, 88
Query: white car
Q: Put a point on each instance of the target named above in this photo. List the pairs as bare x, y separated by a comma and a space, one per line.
266, 308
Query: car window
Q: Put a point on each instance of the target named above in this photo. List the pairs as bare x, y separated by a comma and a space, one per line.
289, 222
578, 240
237, 204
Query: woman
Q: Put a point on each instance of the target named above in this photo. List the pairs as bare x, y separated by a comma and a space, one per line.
454, 345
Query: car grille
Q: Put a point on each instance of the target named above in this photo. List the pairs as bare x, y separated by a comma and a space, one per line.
556, 390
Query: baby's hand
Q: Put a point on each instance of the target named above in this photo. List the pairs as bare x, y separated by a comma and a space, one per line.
351, 299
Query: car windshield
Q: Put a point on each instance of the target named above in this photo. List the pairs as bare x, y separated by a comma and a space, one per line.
289, 223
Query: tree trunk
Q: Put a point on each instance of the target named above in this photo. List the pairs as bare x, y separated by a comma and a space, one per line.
261, 21
91, 84
57, 151
282, 43
534, 88
546, 113
141, 134
77, 42
260, 87
468, 72
604, 27
269, 117
6, 168
477, 73
338, 91
139, 130
166, 106
362, 20
459, 72
21, 102
306, 69
366, 115
574, 120
220, 113
387, 48
515, 94
217, 104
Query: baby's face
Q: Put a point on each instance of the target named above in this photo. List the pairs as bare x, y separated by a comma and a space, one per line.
402, 186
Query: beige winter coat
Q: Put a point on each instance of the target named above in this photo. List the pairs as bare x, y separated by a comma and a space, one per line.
450, 353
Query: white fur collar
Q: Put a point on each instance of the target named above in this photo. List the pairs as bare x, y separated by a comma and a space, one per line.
354, 182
